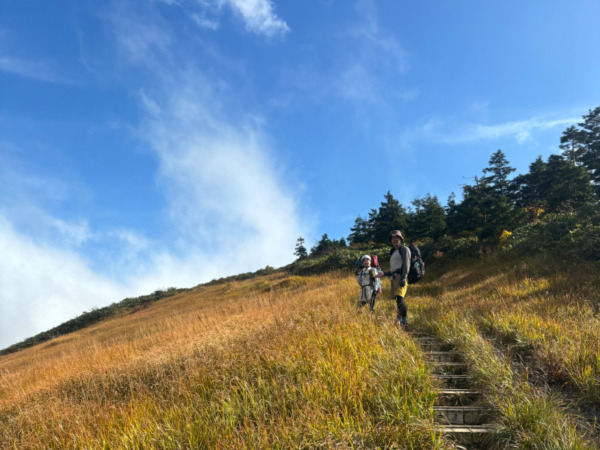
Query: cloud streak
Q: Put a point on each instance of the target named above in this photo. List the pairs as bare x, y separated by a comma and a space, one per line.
37, 70
368, 56
521, 131
223, 186
259, 16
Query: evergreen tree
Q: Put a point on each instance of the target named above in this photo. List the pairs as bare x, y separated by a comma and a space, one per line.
581, 145
390, 216
529, 189
452, 215
300, 252
568, 186
361, 232
327, 246
558, 185
499, 170
591, 138
572, 144
428, 219
486, 209
470, 215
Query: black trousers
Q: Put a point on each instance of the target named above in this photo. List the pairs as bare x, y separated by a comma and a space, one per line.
401, 304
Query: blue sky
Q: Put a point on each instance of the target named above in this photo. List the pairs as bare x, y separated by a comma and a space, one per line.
155, 143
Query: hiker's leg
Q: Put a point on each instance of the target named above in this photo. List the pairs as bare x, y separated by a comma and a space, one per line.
402, 309
372, 303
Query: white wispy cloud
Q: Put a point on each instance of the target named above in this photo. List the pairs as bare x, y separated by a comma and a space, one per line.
142, 37
43, 286
259, 16
375, 42
216, 164
229, 204
203, 21
375, 56
37, 70
369, 57
520, 130
222, 183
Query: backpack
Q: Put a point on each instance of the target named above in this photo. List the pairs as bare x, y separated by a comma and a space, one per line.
358, 266
417, 266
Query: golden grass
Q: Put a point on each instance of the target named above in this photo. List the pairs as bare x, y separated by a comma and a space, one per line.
281, 361
531, 335
277, 361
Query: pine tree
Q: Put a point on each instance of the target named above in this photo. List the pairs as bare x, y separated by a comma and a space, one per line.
591, 138
572, 144
324, 247
361, 232
499, 170
300, 252
390, 216
558, 185
428, 219
486, 209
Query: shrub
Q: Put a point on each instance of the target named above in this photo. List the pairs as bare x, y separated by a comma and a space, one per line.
570, 235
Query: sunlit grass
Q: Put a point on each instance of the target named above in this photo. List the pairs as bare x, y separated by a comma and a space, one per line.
534, 319
274, 362
283, 361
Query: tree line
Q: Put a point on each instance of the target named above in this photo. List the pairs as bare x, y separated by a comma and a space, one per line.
565, 182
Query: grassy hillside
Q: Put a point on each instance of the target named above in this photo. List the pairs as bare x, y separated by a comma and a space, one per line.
282, 360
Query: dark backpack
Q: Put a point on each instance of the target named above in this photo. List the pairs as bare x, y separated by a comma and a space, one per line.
357, 266
417, 266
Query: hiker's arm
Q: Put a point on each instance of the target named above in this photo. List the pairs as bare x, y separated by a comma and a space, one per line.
405, 253
391, 274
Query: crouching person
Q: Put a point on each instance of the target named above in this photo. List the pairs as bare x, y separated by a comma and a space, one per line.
367, 279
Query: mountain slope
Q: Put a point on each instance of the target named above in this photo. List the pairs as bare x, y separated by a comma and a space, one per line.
283, 360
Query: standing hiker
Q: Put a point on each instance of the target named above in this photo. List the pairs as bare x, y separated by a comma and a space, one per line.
367, 280
399, 267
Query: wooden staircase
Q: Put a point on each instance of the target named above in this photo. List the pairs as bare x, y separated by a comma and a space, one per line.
459, 410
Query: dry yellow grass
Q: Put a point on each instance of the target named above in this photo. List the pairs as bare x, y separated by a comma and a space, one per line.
283, 361
174, 326
273, 361
531, 332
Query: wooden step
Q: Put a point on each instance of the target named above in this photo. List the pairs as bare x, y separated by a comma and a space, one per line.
462, 415
433, 346
468, 434
454, 380
431, 343
440, 356
459, 392
449, 367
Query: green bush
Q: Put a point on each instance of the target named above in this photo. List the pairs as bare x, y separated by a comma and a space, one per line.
340, 259
566, 235
452, 248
